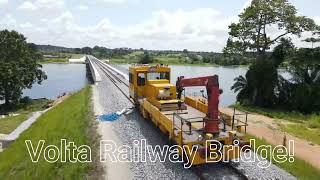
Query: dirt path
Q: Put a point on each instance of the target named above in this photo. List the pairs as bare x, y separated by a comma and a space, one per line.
268, 128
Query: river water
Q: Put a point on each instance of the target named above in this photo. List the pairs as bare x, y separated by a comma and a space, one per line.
61, 78
72, 77
226, 78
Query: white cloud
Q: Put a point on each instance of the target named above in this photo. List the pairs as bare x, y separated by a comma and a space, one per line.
83, 7
41, 5
28, 6
64, 18
51, 22
113, 1
199, 29
8, 22
203, 29
3, 3
44, 20
26, 25
50, 4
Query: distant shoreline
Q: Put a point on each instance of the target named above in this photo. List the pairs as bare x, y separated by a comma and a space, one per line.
185, 64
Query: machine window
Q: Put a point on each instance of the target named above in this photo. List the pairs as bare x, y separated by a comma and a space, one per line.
141, 79
154, 76
130, 78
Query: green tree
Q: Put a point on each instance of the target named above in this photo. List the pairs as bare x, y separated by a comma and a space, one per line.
304, 67
86, 50
281, 51
262, 19
18, 66
312, 40
145, 58
241, 85
185, 51
255, 32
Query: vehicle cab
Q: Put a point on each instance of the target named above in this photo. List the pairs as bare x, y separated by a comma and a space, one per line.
152, 83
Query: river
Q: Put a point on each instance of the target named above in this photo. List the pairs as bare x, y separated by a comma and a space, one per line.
61, 78
72, 77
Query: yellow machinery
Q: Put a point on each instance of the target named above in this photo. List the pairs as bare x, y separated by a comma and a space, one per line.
188, 121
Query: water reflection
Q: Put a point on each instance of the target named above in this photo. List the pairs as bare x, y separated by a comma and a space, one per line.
61, 78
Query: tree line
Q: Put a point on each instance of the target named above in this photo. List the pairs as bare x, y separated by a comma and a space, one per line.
119, 53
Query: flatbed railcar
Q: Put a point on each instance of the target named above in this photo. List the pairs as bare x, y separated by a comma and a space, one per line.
187, 120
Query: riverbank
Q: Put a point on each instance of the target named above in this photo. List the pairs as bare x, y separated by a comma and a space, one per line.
62, 58
298, 124
55, 61
71, 120
171, 61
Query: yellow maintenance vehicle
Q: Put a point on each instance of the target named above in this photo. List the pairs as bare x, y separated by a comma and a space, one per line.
188, 121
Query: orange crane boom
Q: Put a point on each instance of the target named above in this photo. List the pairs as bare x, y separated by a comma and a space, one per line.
212, 85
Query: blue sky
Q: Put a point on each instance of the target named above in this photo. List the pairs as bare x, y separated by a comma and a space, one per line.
152, 24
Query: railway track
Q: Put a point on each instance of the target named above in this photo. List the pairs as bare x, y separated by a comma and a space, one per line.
112, 73
200, 171
117, 81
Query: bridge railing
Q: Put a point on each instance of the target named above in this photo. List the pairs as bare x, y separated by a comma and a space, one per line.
95, 74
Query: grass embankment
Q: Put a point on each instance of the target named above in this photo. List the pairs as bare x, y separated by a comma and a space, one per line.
63, 58
302, 126
70, 120
159, 60
299, 168
172, 59
55, 61
24, 110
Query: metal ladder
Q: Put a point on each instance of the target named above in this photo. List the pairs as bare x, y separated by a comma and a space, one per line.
238, 121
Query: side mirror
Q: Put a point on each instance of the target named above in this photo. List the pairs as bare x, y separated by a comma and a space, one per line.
220, 91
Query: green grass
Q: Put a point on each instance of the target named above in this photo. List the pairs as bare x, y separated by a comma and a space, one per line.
32, 106
168, 60
76, 56
68, 120
159, 60
299, 168
136, 53
55, 61
63, 58
279, 114
303, 126
8, 124
300, 130
123, 61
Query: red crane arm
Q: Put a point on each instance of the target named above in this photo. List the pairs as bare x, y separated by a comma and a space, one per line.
198, 81
212, 85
